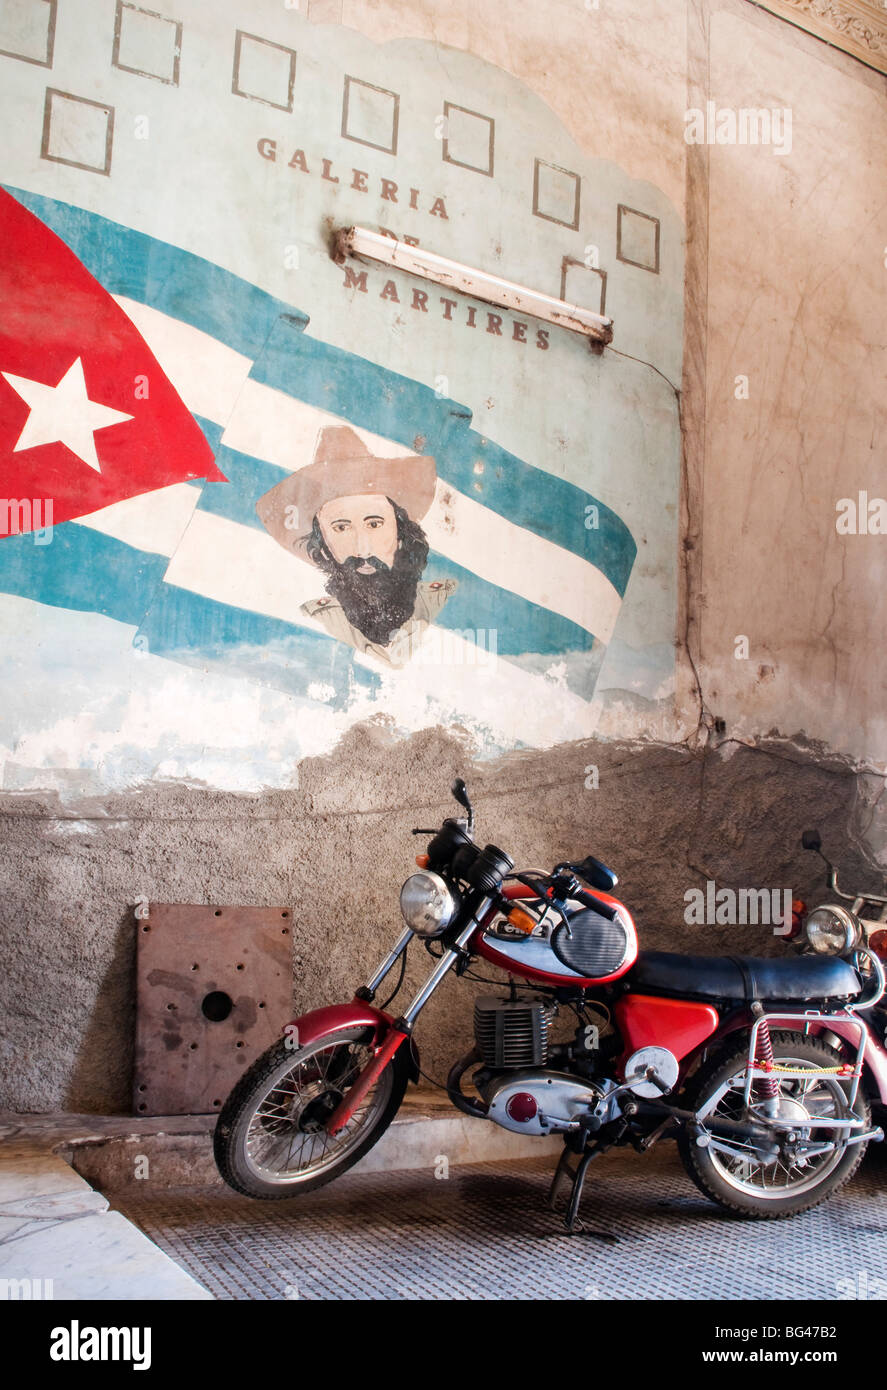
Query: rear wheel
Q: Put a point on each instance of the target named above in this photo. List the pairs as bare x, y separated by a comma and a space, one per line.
737, 1173
271, 1139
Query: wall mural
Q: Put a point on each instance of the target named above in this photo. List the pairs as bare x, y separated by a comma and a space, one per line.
343, 486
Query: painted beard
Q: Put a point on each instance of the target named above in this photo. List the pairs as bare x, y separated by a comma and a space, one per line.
377, 604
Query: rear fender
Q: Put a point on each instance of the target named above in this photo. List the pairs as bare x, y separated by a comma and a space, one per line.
338, 1018
875, 1058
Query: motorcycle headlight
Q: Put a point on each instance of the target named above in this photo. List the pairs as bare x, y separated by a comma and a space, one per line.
428, 904
832, 931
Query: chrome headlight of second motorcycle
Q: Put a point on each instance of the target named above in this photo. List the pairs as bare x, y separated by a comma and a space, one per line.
833, 931
428, 904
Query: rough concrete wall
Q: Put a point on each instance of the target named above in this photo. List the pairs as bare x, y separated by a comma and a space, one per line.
667, 819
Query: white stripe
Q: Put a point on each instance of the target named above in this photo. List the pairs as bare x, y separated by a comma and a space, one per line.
154, 521
520, 561
207, 375
268, 424
243, 566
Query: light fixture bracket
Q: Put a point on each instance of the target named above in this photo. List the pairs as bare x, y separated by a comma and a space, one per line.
359, 242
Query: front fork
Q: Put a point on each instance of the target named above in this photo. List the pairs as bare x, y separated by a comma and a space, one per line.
402, 1028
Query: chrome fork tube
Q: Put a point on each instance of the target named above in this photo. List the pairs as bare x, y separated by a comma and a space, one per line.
390, 960
446, 962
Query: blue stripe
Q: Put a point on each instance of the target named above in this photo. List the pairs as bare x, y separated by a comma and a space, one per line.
199, 631
212, 433
248, 479
520, 626
176, 282
84, 570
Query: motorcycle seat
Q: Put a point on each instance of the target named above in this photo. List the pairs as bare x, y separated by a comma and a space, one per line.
792, 980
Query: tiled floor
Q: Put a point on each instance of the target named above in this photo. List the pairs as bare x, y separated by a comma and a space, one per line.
485, 1232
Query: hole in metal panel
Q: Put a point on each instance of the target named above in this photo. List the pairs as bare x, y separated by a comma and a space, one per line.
216, 1006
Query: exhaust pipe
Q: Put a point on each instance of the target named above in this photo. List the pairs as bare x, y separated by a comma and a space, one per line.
454, 1090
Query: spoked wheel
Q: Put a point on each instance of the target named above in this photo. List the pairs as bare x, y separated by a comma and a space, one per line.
781, 1181
271, 1138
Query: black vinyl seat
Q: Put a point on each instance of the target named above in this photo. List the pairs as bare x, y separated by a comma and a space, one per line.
792, 979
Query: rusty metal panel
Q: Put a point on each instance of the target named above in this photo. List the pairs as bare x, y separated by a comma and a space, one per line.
214, 988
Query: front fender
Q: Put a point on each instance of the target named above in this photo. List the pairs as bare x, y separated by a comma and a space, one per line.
338, 1018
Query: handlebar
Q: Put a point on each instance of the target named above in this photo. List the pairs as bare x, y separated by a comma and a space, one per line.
811, 840
543, 882
453, 845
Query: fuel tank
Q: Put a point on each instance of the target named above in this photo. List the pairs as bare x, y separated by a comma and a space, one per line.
594, 951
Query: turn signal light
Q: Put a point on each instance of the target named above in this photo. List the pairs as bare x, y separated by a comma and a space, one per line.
522, 920
799, 907
423, 861
878, 943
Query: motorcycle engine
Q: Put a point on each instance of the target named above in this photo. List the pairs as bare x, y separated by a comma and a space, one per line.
512, 1037
538, 1102
512, 1032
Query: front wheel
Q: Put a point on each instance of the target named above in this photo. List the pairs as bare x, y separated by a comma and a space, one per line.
271, 1139
734, 1171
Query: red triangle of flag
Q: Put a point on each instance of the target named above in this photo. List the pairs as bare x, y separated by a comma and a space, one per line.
87, 415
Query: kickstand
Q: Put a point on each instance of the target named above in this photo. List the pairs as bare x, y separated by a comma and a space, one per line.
577, 1180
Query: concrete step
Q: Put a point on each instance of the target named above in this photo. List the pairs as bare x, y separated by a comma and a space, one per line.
116, 1151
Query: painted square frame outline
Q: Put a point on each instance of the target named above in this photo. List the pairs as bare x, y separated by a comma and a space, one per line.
395, 124
75, 163
593, 270
50, 42
623, 207
460, 164
139, 72
269, 43
571, 173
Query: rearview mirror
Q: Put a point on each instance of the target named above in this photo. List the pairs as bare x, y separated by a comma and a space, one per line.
460, 792
811, 840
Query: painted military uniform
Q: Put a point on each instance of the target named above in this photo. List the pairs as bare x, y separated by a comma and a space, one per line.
430, 599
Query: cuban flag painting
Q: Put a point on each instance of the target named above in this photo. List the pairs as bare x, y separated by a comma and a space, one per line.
185, 455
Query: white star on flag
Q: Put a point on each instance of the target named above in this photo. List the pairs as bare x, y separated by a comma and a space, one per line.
63, 413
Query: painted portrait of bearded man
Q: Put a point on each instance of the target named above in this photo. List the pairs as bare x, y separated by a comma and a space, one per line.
356, 518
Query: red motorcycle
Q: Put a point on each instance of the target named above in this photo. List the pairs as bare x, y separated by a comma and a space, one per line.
763, 1070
